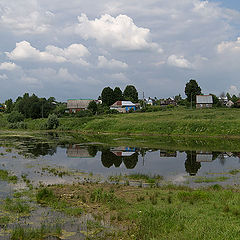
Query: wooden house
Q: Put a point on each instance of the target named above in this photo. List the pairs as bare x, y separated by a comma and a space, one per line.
76, 105
204, 101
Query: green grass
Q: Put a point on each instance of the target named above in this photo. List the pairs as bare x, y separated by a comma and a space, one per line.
168, 212
210, 180
4, 175
45, 196
21, 233
173, 121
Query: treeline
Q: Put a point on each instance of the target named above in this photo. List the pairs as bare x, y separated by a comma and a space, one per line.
34, 107
110, 96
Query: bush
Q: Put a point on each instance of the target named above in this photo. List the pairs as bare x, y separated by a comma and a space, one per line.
112, 111
52, 122
84, 113
18, 125
15, 117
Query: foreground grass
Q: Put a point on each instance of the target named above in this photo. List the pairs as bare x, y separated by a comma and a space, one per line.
169, 212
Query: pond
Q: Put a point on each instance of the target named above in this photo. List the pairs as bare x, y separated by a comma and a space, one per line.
47, 159
34, 157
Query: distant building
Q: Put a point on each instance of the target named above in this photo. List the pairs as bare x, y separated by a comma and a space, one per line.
238, 103
150, 101
204, 101
167, 102
223, 100
76, 105
123, 106
229, 103
1, 107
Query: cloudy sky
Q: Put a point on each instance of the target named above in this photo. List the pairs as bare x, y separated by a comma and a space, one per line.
73, 49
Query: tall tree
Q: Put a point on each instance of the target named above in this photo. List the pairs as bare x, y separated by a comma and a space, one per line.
130, 93
9, 105
107, 96
117, 92
192, 90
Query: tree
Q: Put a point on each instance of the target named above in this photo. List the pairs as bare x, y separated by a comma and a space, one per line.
228, 96
117, 92
9, 105
130, 93
107, 96
216, 101
92, 106
192, 90
52, 122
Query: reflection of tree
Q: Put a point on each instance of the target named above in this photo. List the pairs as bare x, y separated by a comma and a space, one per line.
41, 149
92, 150
109, 159
222, 158
131, 161
191, 165
215, 155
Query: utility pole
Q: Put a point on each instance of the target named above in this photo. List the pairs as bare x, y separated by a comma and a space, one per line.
191, 100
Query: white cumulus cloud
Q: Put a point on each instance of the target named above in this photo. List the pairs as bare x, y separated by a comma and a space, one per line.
231, 46
73, 53
3, 77
233, 90
8, 66
179, 61
111, 64
119, 32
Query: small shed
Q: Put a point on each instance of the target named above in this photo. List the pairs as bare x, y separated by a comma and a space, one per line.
76, 105
229, 103
204, 101
123, 106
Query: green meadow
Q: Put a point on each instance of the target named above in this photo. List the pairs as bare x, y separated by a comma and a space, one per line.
175, 121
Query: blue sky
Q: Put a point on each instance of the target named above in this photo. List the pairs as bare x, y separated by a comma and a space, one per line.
234, 4
73, 49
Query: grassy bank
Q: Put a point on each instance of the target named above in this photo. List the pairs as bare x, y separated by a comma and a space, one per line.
176, 121
155, 213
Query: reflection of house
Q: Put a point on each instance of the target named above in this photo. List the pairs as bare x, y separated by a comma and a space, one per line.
165, 153
123, 106
123, 151
204, 101
77, 151
75, 105
204, 156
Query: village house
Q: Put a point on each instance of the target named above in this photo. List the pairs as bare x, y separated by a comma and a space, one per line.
167, 102
123, 106
76, 105
229, 103
204, 101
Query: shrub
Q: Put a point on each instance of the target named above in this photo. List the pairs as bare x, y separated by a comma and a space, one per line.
84, 113
15, 117
52, 122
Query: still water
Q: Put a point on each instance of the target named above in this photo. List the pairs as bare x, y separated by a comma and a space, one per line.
106, 160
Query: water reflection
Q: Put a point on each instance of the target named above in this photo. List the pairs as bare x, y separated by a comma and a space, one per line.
124, 159
117, 156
